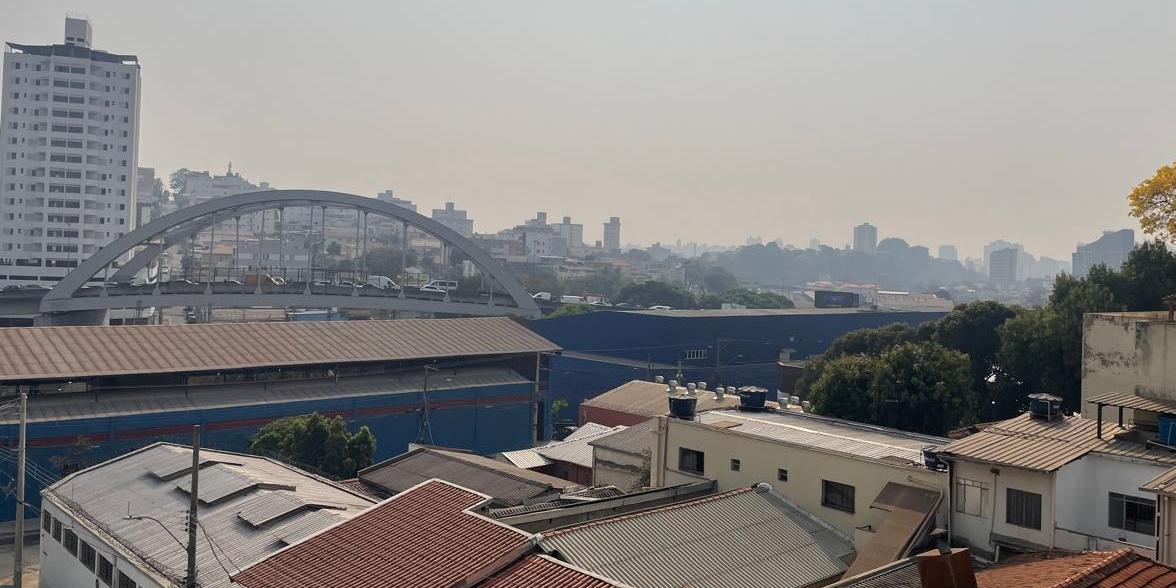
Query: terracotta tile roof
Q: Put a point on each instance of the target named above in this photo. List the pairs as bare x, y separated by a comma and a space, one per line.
32, 353
425, 537
1033, 444
535, 571
1095, 569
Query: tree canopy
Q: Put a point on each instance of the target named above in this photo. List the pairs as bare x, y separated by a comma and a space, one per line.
318, 442
1153, 202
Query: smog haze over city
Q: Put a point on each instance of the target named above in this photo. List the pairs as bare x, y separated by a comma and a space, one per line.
938, 122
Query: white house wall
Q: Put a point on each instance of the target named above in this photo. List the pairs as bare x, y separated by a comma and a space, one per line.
1083, 495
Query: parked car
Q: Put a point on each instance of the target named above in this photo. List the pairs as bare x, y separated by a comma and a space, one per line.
542, 296
441, 284
661, 307
383, 283
431, 288
568, 299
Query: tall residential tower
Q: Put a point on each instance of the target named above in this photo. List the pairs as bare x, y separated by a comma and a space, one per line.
69, 145
865, 238
612, 234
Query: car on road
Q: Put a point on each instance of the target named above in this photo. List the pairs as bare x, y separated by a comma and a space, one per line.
382, 282
441, 285
546, 296
431, 288
661, 307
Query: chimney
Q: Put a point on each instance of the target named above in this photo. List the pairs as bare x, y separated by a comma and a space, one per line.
946, 568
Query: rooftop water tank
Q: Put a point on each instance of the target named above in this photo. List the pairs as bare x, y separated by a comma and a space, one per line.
752, 398
682, 407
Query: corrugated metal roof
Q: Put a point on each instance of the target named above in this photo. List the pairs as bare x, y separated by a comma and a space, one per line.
422, 538
1033, 444
637, 439
581, 497
102, 494
39, 353
854, 439
1164, 483
1134, 402
746, 538
542, 571
506, 484
649, 399
900, 574
575, 448
754, 312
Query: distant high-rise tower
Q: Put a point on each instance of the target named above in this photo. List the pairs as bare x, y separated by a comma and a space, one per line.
612, 234
865, 238
69, 149
948, 253
455, 218
1110, 250
1002, 266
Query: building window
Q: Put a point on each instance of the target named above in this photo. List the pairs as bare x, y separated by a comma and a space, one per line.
57, 530
125, 582
87, 556
695, 354
46, 521
1130, 513
690, 460
71, 542
970, 496
837, 496
782, 475
735, 465
1023, 509
105, 571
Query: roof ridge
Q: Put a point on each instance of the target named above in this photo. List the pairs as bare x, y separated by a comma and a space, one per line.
477, 463
640, 513
1112, 558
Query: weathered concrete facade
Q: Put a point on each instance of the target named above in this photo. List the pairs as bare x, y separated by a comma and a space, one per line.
1128, 353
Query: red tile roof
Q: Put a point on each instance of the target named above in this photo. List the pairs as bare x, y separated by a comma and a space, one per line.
425, 537
1095, 569
540, 570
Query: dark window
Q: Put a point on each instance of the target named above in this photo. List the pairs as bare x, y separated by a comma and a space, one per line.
1132, 514
690, 460
46, 521
735, 465
125, 582
105, 571
57, 530
782, 475
1022, 508
837, 495
71, 542
87, 555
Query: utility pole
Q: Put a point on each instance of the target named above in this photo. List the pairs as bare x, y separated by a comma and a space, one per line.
190, 579
18, 552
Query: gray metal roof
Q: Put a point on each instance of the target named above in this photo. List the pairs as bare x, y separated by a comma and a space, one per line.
574, 449
637, 439
1034, 444
100, 497
58, 407
1135, 402
506, 484
643, 398
846, 437
900, 574
753, 312
746, 538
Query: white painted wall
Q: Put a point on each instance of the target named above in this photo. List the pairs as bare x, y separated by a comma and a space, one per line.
61, 569
975, 531
1129, 353
1083, 493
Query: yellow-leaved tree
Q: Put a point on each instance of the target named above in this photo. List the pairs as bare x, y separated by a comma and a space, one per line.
1153, 202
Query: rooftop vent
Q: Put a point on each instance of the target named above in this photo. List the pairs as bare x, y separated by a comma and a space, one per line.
659, 379
794, 400
682, 407
806, 406
752, 398
691, 389
1045, 407
720, 392
702, 385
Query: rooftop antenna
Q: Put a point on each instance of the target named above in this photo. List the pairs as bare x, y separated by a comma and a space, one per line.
230, 168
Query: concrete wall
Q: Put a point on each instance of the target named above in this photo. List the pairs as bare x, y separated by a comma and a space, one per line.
975, 531
1166, 547
1083, 494
626, 471
1129, 353
61, 569
761, 458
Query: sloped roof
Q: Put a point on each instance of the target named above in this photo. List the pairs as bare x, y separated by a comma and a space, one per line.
506, 484
39, 353
269, 503
575, 448
1094, 569
648, 399
1033, 444
542, 571
900, 574
637, 439
425, 537
746, 538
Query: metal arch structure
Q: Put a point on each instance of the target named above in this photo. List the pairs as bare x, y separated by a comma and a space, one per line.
179, 225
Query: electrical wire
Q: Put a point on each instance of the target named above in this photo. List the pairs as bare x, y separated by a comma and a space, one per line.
212, 546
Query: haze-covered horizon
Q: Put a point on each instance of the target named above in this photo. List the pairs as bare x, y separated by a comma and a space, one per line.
939, 122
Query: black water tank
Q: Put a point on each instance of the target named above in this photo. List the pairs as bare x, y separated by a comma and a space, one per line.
752, 399
1045, 407
682, 407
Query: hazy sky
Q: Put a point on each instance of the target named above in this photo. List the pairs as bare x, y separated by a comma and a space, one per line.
938, 121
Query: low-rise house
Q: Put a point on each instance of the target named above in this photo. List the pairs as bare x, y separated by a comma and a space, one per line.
114, 524
624, 458
638, 401
1044, 481
570, 458
506, 484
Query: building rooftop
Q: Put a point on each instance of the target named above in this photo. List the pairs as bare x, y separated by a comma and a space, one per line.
761, 312
903, 573
426, 537
60, 353
1035, 444
574, 449
505, 484
65, 50
1094, 569
751, 537
637, 439
824, 433
649, 399
250, 506
543, 571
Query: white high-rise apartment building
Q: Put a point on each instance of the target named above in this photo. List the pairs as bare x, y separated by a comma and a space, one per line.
69, 154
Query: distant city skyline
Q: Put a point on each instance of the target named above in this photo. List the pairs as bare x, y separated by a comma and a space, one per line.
968, 134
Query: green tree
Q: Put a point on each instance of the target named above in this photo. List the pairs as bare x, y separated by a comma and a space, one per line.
318, 442
1153, 202
653, 293
756, 299
1029, 361
717, 280
972, 329
569, 310
843, 388
1145, 279
334, 248
922, 387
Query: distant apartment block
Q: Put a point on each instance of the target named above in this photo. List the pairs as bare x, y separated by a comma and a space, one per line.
573, 233
865, 238
69, 154
1002, 266
612, 234
390, 197
455, 219
1110, 250
948, 253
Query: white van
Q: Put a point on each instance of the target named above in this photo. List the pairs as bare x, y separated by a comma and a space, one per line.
545, 296
449, 285
382, 282
571, 300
